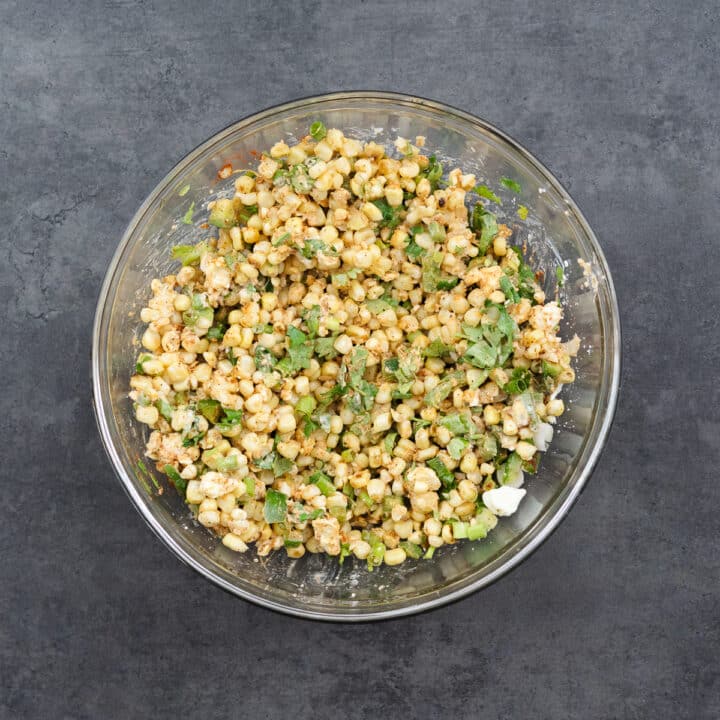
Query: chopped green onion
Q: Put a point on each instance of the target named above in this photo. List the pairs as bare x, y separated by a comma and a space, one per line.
411, 549
184, 190
249, 486
189, 254
560, 275
522, 212
306, 405
177, 480
477, 531
437, 232
318, 130
323, 482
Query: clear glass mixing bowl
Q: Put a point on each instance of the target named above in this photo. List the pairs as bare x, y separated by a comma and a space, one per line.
555, 233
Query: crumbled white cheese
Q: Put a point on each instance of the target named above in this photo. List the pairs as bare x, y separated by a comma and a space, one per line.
543, 435
504, 500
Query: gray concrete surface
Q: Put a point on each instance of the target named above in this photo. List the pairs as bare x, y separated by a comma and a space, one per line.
616, 616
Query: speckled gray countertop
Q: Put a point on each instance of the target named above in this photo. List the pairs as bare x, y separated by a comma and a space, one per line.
616, 616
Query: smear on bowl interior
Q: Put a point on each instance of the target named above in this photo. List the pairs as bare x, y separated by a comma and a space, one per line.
353, 360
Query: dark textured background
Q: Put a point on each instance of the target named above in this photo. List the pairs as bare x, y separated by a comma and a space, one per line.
616, 616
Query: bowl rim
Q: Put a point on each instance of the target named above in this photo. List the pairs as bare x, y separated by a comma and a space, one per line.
525, 546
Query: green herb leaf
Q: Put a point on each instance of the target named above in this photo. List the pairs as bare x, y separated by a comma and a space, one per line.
446, 477
189, 254
184, 190
312, 246
481, 354
324, 347
312, 319
457, 447
281, 240
187, 217
522, 212
560, 275
275, 509
437, 349
484, 224
486, 192
309, 516
509, 291
199, 309
391, 216
435, 397
264, 360
459, 424
217, 332
389, 442
511, 185
433, 172
300, 350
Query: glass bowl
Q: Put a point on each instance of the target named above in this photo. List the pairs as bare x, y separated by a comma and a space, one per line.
555, 234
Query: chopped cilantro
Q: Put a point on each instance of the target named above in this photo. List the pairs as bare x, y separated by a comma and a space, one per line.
432, 278
509, 291
486, 192
264, 360
412, 249
314, 515
281, 240
484, 224
300, 350
435, 396
390, 215
312, 246
187, 217
312, 319
324, 348
437, 349
457, 447
446, 477
217, 332
433, 172
511, 185
189, 254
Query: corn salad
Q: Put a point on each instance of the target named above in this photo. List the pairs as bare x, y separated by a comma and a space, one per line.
356, 362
